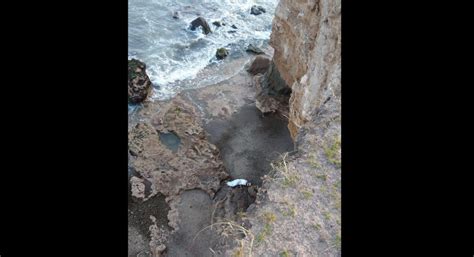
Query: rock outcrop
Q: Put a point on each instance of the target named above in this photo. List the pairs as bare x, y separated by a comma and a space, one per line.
139, 84
306, 37
201, 22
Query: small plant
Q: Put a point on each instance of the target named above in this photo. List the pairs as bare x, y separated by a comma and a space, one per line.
241, 215
316, 226
322, 177
290, 181
289, 211
177, 111
307, 194
240, 251
314, 162
267, 230
326, 215
285, 253
269, 217
231, 228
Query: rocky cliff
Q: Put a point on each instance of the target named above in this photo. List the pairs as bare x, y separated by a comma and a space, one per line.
306, 36
297, 211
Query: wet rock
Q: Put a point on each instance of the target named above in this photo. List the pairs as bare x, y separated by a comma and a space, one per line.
257, 10
176, 15
139, 84
221, 53
259, 65
201, 22
253, 49
217, 23
232, 31
233, 26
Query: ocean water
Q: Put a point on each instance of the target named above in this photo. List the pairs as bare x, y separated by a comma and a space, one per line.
176, 57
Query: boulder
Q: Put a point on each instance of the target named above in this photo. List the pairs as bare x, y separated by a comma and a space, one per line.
257, 10
253, 49
217, 23
221, 53
259, 65
139, 84
201, 22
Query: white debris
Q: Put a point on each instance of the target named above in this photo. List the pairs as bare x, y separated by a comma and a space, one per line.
238, 182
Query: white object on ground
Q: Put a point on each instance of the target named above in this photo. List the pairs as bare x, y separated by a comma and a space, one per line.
238, 182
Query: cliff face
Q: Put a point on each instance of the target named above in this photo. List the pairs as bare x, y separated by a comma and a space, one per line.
297, 211
306, 36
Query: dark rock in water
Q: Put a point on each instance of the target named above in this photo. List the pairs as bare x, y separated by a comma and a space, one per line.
221, 53
176, 15
201, 22
217, 23
234, 27
253, 49
139, 85
259, 65
257, 10
232, 31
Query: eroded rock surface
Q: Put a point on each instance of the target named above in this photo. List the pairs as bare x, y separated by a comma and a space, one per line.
194, 165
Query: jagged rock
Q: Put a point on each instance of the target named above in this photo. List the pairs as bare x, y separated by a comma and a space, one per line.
201, 22
139, 84
253, 49
259, 65
217, 23
233, 26
257, 10
221, 53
